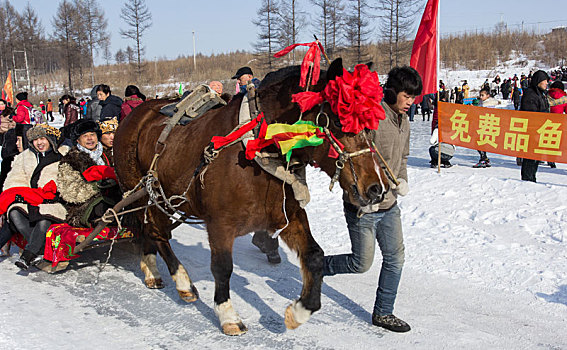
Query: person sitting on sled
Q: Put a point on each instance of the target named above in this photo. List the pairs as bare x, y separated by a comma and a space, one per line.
88, 183
29, 194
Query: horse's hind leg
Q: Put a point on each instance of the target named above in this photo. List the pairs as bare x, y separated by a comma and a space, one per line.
148, 264
298, 238
221, 267
187, 291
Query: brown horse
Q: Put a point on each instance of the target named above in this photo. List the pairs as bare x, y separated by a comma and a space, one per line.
237, 196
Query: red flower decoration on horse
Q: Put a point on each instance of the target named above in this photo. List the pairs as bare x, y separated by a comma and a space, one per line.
355, 97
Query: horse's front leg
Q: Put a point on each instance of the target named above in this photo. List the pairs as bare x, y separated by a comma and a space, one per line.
221, 243
299, 239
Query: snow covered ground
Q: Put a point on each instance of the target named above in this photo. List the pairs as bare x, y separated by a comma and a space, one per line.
486, 267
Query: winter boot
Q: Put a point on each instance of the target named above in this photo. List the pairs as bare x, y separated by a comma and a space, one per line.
390, 322
24, 262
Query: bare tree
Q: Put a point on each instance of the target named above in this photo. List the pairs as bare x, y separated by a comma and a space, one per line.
63, 24
95, 25
266, 23
290, 19
10, 37
106, 53
328, 23
357, 30
130, 55
120, 57
396, 25
138, 18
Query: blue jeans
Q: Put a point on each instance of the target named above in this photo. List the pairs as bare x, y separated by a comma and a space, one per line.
386, 228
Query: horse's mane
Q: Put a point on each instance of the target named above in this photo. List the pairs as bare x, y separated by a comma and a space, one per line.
274, 78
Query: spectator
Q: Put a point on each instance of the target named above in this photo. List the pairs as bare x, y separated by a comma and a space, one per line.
466, 89
447, 151
111, 105
133, 98
70, 109
243, 76
426, 107
534, 100
516, 97
49, 110
93, 107
23, 108
485, 101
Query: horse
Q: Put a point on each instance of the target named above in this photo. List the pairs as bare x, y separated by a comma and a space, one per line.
236, 196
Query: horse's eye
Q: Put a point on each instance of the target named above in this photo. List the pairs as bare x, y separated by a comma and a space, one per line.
337, 123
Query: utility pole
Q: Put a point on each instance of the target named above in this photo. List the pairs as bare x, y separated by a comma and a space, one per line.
194, 58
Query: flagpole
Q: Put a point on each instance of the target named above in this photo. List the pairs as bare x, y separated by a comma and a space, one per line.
437, 82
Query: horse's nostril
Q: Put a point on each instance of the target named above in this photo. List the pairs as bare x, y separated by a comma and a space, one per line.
374, 191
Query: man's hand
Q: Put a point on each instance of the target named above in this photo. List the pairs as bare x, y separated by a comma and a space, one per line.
402, 189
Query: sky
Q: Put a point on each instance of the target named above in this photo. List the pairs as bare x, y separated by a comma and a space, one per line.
226, 25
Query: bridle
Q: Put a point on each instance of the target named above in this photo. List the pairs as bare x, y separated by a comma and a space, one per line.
345, 157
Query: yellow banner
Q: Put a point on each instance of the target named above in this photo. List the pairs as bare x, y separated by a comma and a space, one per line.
532, 135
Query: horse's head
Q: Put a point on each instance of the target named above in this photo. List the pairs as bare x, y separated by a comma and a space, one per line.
354, 164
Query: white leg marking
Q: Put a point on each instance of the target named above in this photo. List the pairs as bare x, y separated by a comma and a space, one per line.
149, 266
226, 313
300, 313
181, 278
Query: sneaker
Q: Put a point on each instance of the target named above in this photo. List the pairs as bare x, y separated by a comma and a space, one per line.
487, 163
552, 165
446, 165
391, 323
274, 257
480, 164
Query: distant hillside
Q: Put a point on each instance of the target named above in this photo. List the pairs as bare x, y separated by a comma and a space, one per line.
482, 51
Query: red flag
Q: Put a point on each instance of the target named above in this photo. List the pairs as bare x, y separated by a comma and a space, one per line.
7, 93
424, 51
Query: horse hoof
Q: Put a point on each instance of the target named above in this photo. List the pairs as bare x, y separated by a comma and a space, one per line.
234, 328
189, 296
290, 322
154, 283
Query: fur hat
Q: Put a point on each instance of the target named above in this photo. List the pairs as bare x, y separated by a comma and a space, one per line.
109, 125
22, 96
82, 127
53, 135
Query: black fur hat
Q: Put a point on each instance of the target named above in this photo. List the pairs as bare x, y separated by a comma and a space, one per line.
82, 127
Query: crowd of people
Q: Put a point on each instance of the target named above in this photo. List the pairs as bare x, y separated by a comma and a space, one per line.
46, 172
527, 93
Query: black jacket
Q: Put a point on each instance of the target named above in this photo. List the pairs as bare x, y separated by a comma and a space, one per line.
534, 98
111, 107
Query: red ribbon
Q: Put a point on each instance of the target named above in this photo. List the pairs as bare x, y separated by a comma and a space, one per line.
355, 97
312, 57
99, 172
32, 196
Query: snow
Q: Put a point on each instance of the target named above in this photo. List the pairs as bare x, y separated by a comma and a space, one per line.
485, 268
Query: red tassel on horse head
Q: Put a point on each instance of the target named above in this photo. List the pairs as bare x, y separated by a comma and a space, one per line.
312, 57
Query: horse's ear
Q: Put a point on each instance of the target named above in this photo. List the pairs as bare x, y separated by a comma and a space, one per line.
335, 69
369, 65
